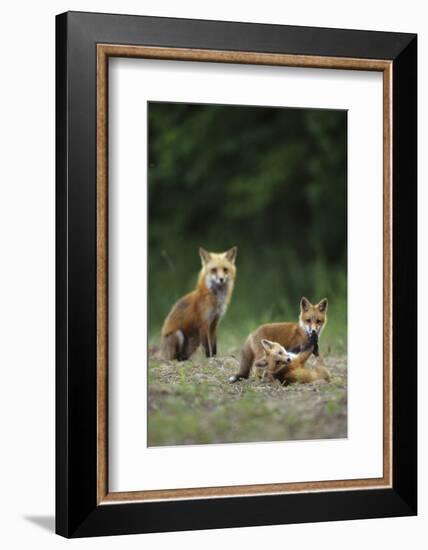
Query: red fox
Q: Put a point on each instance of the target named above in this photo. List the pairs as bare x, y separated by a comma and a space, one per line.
194, 318
279, 364
293, 336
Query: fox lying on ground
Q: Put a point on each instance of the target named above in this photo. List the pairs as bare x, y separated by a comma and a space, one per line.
279, 364
292, 336
194, 318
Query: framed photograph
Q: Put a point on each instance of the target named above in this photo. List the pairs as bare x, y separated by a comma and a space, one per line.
236, 274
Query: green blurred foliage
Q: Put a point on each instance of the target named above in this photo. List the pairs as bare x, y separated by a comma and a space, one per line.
270, 180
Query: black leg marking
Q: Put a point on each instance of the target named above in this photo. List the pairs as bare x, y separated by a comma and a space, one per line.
182, 352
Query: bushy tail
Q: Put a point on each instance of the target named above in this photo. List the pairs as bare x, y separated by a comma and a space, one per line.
323, 373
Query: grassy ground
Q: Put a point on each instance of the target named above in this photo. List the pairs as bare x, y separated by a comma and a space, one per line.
192, 403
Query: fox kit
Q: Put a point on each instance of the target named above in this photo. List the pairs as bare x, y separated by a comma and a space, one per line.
292, 336
194, 318
279, 364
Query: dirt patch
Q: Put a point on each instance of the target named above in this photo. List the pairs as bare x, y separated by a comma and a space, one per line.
193, 403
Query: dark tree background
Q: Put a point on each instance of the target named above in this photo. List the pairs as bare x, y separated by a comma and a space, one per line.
270, 180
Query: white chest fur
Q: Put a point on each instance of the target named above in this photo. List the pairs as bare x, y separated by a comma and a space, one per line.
221, 296
219, 305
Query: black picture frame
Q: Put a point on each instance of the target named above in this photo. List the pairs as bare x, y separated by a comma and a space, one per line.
77, 511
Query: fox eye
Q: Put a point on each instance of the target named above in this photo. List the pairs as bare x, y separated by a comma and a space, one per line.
318, 321
225, 270
308, 320
281, 352
214, 270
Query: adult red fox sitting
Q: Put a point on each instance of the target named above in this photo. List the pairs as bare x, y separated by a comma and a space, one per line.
293, 336
194, 318
279, 364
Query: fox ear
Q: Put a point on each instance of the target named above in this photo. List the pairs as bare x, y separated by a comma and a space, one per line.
205, 256
323, 305
305, 304
231, 254
267, 344
261, 363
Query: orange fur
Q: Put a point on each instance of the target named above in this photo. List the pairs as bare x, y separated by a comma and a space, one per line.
278, 364
292, 336
193, 320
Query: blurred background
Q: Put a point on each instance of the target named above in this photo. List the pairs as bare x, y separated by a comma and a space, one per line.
271, 181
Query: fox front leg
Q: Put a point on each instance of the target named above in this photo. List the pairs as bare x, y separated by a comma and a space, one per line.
213, 341
316, 351
206, 341
213, 336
